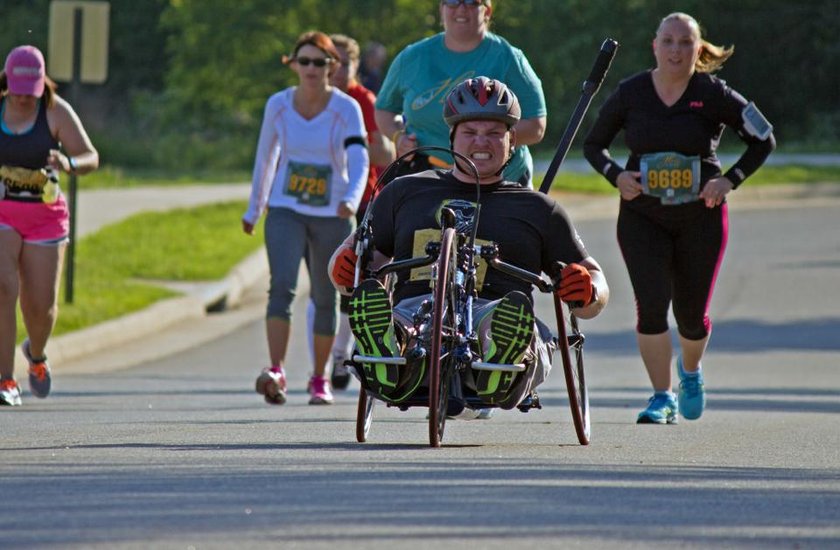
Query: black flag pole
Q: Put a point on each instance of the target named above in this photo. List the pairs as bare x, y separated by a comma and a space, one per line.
589, 89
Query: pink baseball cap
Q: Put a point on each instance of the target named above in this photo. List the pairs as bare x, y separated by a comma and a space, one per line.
25, 71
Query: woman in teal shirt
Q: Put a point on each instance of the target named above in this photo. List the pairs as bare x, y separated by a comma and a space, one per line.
410, 102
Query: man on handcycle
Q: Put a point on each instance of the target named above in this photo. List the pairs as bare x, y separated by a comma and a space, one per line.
532, 232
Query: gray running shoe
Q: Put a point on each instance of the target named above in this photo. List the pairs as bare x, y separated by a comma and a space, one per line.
340, 376
40, 379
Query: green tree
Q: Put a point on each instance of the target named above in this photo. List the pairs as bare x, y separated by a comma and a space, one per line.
226, 61
188, 79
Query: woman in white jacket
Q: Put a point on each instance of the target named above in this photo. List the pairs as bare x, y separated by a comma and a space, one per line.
309, 174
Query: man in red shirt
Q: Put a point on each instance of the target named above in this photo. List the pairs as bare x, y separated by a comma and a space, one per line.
346, 79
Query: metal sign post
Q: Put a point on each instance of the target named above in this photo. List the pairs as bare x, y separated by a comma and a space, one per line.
78, 53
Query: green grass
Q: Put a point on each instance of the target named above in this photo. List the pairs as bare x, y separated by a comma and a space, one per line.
794, 173
116, 266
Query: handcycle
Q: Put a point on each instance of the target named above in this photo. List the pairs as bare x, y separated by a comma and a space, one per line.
445, 337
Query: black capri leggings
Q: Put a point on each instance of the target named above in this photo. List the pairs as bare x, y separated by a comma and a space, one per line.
673, 260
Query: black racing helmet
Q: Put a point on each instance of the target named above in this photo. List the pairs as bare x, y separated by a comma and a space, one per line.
481, 98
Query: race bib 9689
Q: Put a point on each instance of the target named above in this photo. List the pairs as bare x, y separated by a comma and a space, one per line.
673, 177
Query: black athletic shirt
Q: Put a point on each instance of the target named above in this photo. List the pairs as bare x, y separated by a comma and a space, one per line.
692, 126
30, 149
531, 229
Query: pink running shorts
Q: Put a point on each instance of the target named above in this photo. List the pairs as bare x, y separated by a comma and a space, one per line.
36, 222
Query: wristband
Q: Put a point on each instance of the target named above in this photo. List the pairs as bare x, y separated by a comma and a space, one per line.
73, 164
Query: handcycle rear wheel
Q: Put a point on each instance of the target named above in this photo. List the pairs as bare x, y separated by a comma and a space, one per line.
439, 377
570, 346
364, 415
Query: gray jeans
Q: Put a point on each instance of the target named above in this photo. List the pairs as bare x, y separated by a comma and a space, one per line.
288, 237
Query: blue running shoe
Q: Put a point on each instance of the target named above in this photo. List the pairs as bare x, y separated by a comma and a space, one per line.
661, 409
692, 396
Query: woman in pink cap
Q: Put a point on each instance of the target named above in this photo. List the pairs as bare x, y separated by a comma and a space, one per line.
40, 134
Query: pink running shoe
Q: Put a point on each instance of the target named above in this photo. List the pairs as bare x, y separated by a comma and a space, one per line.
271, 383
319, 391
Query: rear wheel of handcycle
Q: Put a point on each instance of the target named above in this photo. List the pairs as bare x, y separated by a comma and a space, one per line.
439, 377
570, 344
364, 415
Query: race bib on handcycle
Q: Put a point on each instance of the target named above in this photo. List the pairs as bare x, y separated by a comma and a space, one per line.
672, 177
425, 236
309, 183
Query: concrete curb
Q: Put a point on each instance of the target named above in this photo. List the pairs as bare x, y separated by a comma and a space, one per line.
227, 293
196, 303
116, 332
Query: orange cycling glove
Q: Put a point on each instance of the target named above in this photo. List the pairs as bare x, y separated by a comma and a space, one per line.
575, 284
343, 272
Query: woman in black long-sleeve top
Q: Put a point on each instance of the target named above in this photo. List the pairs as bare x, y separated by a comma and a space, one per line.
673, 221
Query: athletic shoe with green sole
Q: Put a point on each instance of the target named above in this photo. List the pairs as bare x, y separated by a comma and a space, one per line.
371, 321
511, 334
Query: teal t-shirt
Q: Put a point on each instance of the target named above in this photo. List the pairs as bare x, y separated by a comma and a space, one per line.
423, 73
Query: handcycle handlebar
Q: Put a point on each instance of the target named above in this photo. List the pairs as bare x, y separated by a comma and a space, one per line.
488, 252
432, 251
491, 254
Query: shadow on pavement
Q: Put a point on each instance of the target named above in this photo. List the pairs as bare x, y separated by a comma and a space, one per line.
480, 501
739, 336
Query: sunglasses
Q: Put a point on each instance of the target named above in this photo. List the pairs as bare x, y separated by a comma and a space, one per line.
456, 3
320, 62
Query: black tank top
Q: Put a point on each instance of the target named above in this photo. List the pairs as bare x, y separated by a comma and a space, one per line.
28, 150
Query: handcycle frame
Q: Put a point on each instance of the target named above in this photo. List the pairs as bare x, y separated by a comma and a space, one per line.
449, 336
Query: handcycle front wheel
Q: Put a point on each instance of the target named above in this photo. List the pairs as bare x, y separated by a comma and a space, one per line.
364, 415
439, 377
570, 342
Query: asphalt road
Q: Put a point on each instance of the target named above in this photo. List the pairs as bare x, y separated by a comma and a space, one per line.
181, 453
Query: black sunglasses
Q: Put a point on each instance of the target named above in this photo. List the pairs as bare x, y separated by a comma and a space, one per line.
456, 3
320, 62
